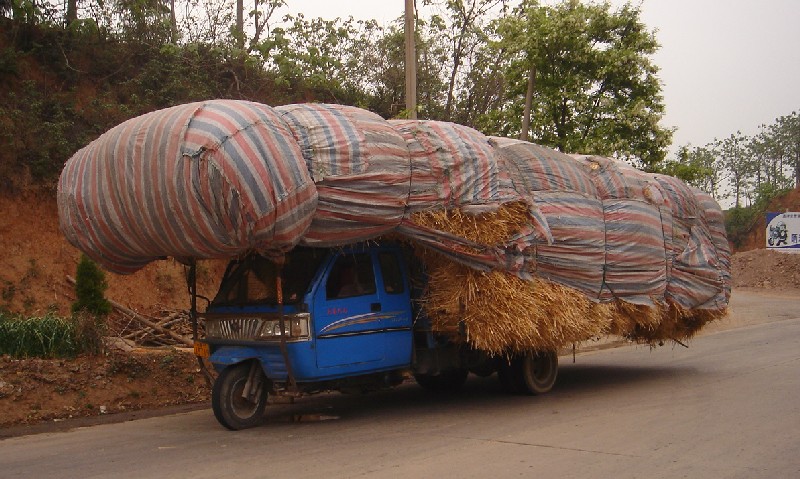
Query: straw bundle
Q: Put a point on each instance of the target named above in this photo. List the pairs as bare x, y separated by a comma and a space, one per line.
503, 314
677, 324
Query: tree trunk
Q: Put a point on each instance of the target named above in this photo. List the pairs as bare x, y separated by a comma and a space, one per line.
411, 60
797, 173
173, 22
72, 11
526, 115
240, 23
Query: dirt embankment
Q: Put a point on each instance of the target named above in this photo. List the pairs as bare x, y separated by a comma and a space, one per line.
37, 260
760, 268
34, 266
757, 239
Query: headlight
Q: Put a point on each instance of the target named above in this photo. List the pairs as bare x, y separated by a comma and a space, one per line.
296, 328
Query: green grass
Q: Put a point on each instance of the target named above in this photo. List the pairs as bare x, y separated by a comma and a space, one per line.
49, 336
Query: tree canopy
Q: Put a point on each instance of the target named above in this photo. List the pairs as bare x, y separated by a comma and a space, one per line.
595, 88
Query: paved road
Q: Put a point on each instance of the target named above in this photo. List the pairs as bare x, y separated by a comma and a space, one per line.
726, 407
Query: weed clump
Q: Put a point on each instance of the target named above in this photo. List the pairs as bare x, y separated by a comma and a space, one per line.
49, 336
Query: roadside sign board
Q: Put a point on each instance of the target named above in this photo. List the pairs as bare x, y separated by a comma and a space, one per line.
783, 231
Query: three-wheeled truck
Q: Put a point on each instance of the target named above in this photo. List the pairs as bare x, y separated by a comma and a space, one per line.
338, 319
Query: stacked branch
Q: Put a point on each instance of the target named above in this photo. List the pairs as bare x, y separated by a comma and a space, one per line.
168, 328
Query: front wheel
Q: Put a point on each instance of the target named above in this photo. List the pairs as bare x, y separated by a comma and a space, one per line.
239, 396
531, 373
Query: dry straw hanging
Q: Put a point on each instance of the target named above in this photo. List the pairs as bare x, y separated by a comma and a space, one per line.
503, 314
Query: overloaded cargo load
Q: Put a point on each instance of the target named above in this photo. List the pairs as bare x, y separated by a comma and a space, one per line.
200, 180
526, 247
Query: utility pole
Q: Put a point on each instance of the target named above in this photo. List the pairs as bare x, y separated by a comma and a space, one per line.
526, 114
411, 61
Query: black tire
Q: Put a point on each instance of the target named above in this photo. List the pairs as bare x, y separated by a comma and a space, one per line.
533, 373
231, 409
445, 382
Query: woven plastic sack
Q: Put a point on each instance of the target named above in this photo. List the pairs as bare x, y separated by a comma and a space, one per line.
361, 169
564, 193
208, 179
697, 275
453, 166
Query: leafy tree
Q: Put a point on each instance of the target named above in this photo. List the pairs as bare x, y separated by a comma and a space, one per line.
737, 161
484, 89
90, 287
786, 134
323, 55
768, 157
463, 34
596, 88
383, 75
698, 167
143, 21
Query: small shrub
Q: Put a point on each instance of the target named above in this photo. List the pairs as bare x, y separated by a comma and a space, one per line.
90, 287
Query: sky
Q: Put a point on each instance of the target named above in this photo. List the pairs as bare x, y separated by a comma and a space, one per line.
725, 65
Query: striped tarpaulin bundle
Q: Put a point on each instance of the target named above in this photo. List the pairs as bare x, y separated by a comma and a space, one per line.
614, 178
635, 263
360, 166
208, 179
712, 216
544, 169
697, 275
562, 189
223, 178
577, 254
452, 166
635, 266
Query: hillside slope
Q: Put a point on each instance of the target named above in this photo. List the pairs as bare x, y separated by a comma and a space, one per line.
37, 260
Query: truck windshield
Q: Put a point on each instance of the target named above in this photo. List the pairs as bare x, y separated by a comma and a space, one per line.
253, 279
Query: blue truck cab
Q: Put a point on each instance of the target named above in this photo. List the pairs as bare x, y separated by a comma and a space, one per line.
337, 319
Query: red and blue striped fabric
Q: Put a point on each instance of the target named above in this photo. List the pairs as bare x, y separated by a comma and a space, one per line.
635, 263
564, 193
452, 166
208, 179
361, 169
699, 275
224, 177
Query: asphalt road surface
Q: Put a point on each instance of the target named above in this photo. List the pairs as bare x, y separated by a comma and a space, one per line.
726, 407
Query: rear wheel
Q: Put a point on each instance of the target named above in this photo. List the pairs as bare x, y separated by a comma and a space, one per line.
239, 396
445, 382
532, 373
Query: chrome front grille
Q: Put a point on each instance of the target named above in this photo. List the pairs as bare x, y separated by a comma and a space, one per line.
234, 328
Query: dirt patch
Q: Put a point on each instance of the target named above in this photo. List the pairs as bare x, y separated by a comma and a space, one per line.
760, 268
35, 390
33, 281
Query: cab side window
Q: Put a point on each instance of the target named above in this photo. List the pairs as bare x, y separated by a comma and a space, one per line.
391, 272
351, 275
